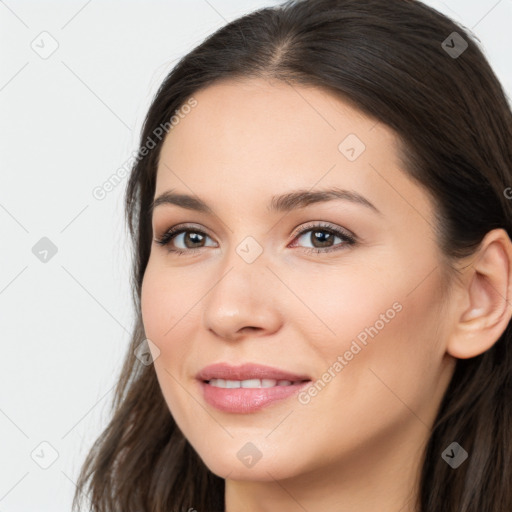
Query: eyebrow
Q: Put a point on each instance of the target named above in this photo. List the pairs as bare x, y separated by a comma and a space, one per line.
282, 203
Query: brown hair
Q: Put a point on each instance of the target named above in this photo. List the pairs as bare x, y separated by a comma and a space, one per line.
389, 59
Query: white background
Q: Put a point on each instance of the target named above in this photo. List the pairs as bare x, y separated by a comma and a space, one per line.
67, 124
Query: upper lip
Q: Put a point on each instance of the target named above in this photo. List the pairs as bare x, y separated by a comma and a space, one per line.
247, 371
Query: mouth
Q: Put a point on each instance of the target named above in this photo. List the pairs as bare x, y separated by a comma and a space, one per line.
249, 387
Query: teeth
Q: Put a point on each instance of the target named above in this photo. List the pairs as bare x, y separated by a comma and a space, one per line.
249, 383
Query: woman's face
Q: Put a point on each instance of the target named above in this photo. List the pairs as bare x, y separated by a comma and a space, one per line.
269, 279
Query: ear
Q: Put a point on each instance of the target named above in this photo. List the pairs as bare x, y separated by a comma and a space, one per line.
486, 307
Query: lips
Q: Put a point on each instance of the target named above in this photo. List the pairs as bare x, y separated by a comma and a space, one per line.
248, 371
247, 388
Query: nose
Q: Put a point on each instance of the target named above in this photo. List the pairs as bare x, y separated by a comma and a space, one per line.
243, 301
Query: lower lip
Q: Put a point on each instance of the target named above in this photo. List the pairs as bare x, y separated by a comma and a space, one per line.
247, 400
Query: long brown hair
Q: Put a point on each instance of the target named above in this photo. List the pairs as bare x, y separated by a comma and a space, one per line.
399, 62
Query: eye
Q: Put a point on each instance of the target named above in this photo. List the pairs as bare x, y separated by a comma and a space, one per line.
187, 235
322, 236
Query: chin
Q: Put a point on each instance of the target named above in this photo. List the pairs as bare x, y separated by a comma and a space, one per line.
263, 470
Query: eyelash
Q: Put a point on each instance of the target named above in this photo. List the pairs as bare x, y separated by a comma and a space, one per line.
173, 232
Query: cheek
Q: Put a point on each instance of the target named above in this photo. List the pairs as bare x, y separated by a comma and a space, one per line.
171, 314
400, 361
165, 304
167, 316
152, 307
342, 306
390, 331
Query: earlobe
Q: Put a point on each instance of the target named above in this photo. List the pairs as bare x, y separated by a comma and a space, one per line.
487, 306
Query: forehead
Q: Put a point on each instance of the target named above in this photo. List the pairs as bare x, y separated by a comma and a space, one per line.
256, 138
233, 118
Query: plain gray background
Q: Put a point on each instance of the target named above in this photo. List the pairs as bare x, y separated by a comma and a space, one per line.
68, 121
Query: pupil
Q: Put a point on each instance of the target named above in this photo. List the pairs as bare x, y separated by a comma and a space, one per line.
191, 236
323, 237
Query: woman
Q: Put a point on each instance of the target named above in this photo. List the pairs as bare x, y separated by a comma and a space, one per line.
322, 273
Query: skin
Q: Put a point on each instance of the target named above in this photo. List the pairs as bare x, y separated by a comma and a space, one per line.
357, 444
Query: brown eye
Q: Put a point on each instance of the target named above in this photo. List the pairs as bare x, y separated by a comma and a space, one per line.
323, 238
187, 239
